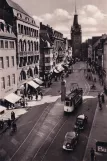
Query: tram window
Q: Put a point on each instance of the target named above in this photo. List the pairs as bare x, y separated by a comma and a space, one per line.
67, 103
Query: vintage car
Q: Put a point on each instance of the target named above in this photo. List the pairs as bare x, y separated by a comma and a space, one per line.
81, 122
71, 139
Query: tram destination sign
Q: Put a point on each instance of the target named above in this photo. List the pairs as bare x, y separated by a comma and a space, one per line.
101, 147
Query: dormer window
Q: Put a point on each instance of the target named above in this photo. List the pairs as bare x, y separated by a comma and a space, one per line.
5, 28
2, 26
19, 15
33, 22
27, 19
9, 28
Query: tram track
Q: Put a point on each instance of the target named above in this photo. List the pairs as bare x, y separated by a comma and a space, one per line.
51, 142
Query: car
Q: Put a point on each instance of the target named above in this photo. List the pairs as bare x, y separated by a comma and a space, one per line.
71, 139
81, 122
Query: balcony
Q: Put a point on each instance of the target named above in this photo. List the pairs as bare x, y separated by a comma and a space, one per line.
28, 53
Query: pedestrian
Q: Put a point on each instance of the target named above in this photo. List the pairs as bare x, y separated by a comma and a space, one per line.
99, 96
48, 84
36, 96
41, 95
9, 123
102, 97
100, 105
45, 84
12, 116
1, 124
29, 96
92, 153
14, 127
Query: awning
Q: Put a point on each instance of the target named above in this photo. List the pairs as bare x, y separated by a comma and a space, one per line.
56, 71
12, 98
39, 81
66, 65
2, 108
33, 84
60, 68
21, 87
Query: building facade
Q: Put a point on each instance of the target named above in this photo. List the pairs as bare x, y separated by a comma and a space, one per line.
8, 66
76, 37
27, 41
46, 50
59, 47
52, 49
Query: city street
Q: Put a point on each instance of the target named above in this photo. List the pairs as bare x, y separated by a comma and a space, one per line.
42, 129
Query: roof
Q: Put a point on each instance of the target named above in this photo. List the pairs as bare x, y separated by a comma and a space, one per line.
81, 116
70, 134
46, 40
95, 39
7, 34
17, 7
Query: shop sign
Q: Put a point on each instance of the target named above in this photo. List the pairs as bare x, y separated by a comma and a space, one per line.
101, 147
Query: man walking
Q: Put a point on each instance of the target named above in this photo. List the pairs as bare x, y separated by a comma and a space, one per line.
99, 96
92, 153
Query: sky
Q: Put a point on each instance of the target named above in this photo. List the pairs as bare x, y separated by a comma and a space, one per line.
92, 15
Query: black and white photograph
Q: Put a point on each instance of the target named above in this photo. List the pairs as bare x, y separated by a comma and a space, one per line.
53, 82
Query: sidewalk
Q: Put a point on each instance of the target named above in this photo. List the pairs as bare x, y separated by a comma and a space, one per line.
99, 87
98, 131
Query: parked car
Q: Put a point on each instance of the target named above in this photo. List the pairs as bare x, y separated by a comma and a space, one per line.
71, 139
81, 122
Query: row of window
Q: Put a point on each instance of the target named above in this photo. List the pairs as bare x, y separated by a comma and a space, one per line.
58, 35
28, 46
27, 31
31, 60
9, 81
8, 64
5, 27
7, 44
19, 15
58, 44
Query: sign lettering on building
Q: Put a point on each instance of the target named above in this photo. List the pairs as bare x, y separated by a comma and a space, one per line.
101, 147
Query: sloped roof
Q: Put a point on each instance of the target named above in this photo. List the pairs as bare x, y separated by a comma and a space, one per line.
17, 7
95, 39
45, 37
7, 34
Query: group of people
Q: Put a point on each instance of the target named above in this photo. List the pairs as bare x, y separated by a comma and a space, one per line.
10, 123
30, 96
39, 93
101, 99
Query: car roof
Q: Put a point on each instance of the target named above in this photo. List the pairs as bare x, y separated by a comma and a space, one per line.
81, 116
70, 134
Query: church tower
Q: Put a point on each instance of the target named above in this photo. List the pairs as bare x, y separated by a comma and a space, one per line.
76, 36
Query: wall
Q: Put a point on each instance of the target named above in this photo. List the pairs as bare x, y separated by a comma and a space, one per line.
8, 71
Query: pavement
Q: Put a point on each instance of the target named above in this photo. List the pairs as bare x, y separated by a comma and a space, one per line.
20, 111
99, 129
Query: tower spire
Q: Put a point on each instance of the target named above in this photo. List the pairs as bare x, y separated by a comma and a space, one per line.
75, 8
